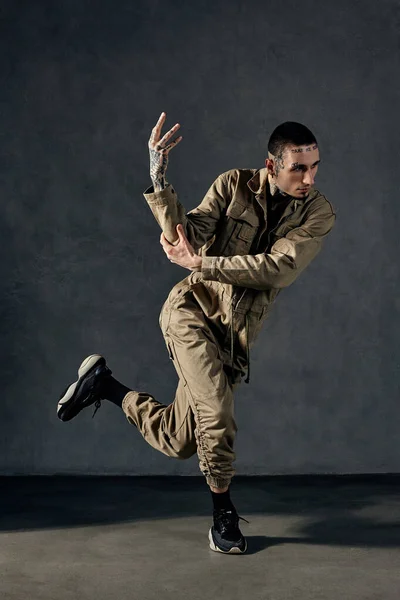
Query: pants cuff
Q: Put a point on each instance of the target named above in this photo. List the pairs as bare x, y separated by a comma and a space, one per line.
130, 398
218, 482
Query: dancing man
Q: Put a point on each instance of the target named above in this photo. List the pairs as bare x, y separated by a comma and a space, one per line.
252, 235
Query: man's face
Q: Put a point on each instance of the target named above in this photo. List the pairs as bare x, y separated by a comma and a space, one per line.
294, 171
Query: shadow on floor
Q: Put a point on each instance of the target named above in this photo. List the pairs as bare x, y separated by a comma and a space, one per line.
326, 508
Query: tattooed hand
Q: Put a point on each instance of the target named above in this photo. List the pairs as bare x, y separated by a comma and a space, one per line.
159, 150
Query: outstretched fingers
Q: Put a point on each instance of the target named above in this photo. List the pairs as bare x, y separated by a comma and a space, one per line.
168, 135
156, 131
172, 144
155, 143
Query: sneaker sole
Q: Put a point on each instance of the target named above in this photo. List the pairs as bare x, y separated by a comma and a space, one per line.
233, 550
69, 396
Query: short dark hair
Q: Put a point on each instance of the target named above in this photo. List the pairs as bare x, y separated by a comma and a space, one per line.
289, 132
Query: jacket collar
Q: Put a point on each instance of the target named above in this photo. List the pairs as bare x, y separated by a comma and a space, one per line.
258, 182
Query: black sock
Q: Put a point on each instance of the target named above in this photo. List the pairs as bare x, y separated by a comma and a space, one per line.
113, 390
222, 500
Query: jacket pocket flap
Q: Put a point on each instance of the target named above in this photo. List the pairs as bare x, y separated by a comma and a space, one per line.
243, 213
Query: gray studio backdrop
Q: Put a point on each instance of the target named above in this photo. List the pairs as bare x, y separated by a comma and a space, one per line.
82, 270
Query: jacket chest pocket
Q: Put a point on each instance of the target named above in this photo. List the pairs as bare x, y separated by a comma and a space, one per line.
246, 232
241, 228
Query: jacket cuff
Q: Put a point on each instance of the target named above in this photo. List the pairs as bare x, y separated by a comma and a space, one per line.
209, 268
162, 198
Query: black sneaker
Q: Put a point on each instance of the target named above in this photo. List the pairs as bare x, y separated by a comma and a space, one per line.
85, 391
225, 535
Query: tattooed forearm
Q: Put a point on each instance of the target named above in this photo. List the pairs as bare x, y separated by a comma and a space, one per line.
158, 168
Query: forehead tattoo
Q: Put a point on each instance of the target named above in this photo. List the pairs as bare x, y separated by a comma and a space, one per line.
308, 149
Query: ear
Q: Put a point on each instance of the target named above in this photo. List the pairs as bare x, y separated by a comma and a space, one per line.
269, 163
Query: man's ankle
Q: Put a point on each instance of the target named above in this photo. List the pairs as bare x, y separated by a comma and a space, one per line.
222, 500
114, 391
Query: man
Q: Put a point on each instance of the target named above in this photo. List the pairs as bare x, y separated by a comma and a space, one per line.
252, 235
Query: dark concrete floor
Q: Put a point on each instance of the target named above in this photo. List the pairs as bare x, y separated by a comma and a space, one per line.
146, 537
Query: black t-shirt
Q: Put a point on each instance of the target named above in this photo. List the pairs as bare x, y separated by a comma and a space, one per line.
276, 206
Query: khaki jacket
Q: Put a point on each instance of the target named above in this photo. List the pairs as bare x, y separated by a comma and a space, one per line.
235, 285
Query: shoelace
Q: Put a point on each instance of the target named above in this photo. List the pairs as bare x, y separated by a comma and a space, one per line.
225, 518
97, 405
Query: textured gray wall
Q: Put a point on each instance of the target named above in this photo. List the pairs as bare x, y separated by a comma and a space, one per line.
82, 271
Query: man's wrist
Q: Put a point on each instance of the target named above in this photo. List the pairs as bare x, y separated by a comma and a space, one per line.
159, 184
198, 261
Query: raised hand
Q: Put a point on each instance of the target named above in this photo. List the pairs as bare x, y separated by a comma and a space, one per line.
159, 150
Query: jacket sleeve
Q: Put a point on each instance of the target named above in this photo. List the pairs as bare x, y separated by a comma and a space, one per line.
289, 256
199, 223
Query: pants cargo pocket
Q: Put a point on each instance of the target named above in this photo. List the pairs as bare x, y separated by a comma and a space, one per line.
173, 357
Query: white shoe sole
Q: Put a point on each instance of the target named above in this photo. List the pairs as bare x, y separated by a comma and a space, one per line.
234, 550
86, 365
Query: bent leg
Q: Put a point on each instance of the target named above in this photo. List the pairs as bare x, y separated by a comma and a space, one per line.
167, 428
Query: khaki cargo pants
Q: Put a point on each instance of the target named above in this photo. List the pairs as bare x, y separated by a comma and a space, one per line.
201, 417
